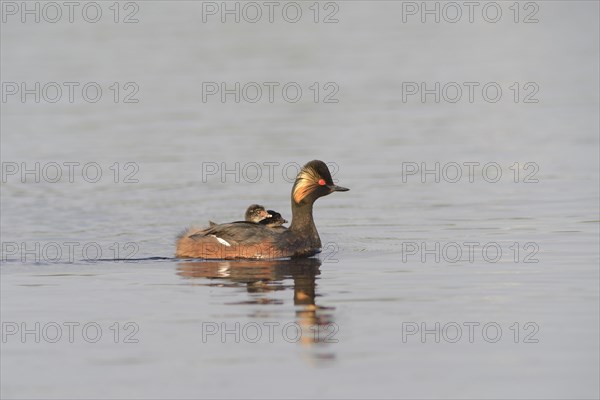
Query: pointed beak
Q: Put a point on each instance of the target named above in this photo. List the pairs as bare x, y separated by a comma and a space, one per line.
336, 188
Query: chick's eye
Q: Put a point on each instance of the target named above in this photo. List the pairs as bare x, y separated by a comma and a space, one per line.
322, 182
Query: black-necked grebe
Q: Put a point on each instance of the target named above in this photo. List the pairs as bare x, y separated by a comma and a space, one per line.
256, 241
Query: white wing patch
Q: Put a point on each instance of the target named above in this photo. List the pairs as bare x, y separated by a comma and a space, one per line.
223, 271
222, 241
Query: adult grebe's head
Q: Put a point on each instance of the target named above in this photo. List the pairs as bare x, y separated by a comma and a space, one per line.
313, 181
256, 213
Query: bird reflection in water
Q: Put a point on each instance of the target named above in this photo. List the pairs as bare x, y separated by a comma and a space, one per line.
263, 277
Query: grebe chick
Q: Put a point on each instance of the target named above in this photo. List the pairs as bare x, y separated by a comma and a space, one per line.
274, 221
254, 213
248, 240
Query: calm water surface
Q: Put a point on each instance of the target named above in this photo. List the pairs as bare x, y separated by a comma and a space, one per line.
404, 302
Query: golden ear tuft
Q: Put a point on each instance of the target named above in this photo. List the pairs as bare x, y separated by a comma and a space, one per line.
305, 182
314, 174
301, 190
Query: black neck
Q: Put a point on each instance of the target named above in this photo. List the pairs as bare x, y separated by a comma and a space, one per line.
303, 223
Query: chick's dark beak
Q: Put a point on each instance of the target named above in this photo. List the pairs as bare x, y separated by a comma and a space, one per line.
336, 188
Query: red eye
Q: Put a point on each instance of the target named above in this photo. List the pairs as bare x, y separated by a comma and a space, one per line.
322, 182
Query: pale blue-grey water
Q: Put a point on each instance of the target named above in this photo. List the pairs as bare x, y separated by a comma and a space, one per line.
376, 315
